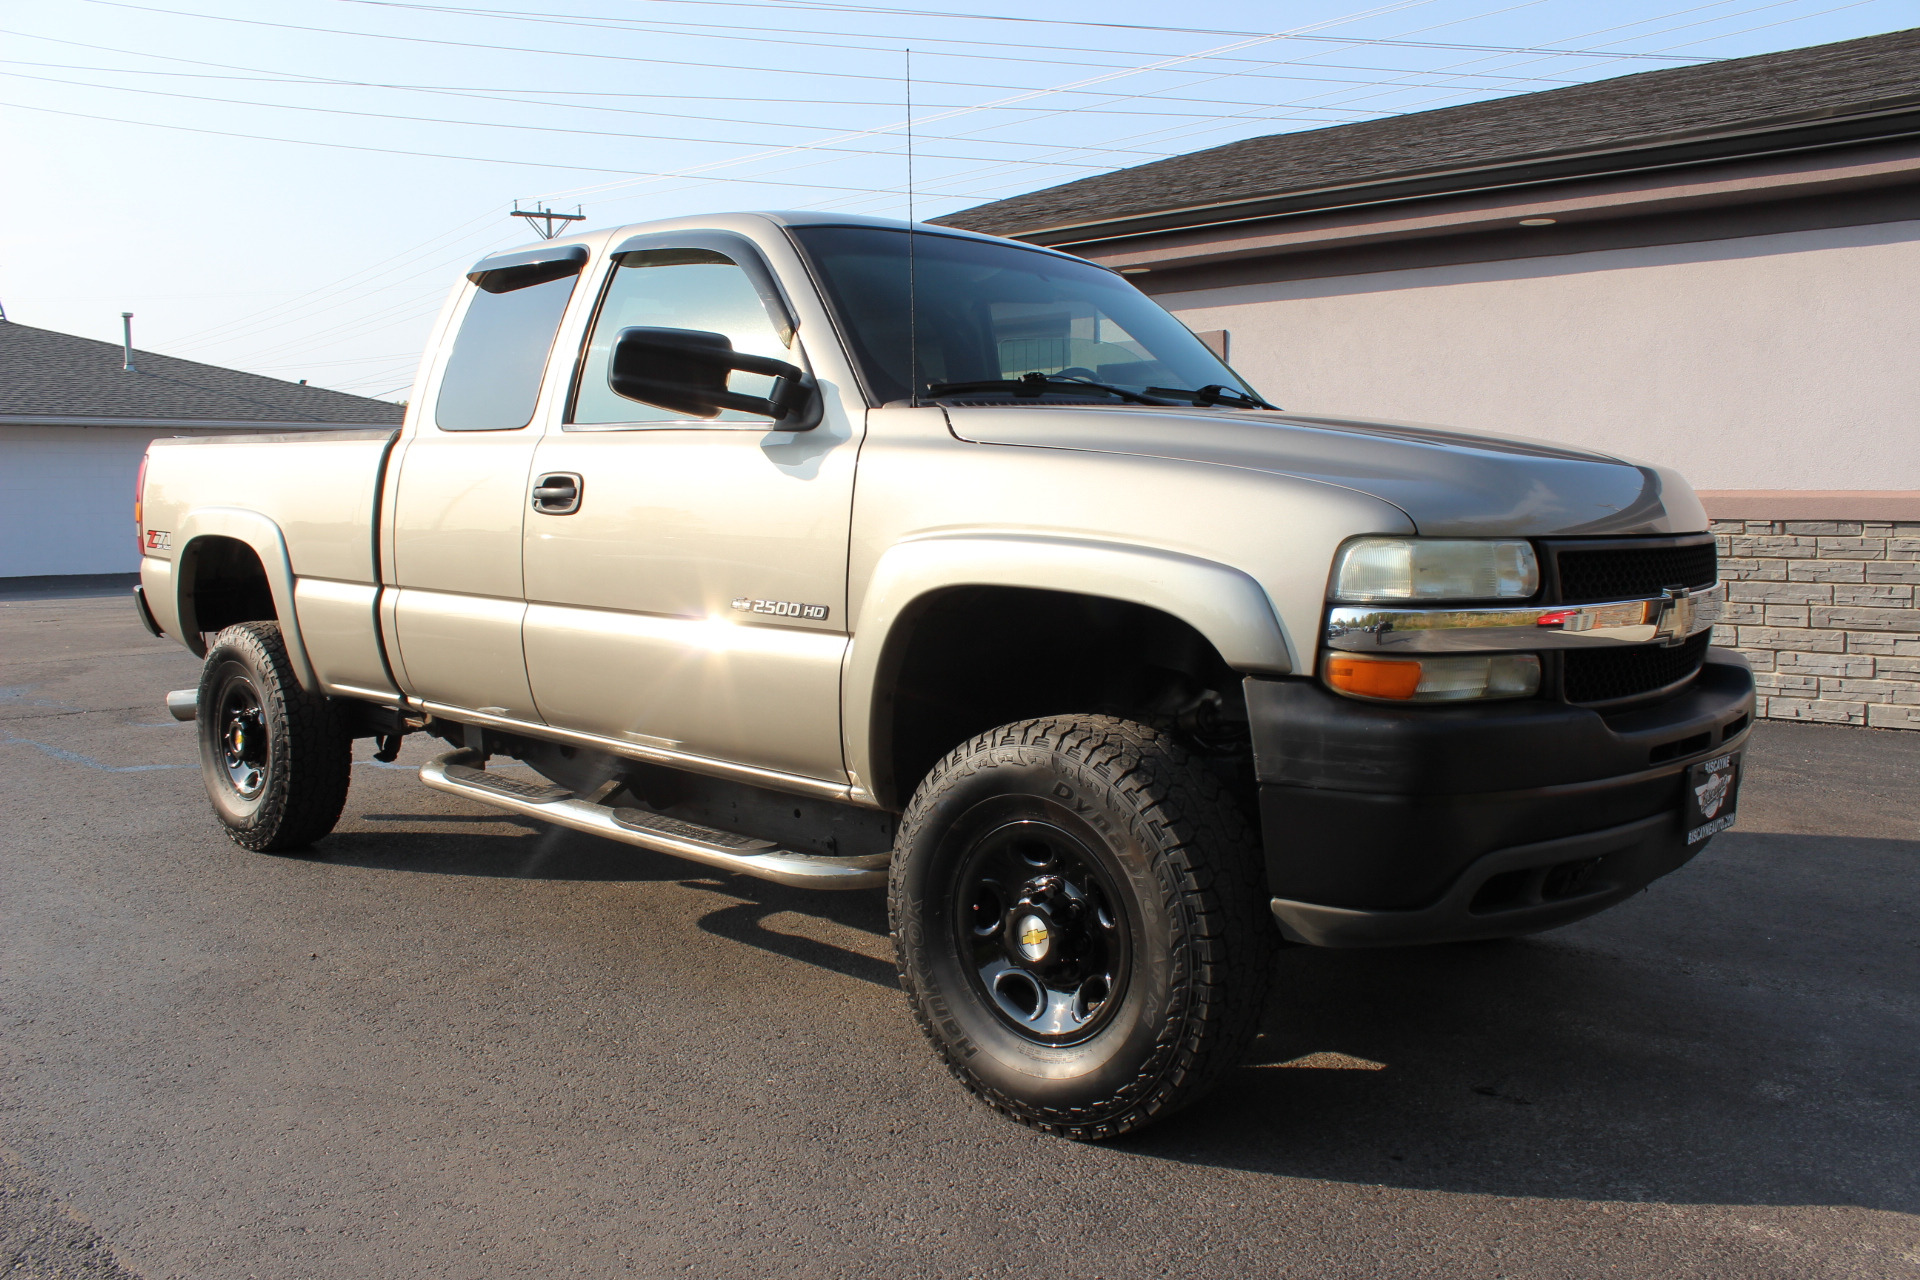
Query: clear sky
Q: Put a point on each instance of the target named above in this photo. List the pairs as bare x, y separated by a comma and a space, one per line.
291, 187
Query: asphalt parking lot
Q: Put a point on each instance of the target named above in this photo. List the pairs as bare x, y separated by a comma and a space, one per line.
455, 1044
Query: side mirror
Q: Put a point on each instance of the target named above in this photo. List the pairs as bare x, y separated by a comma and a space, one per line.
686, 371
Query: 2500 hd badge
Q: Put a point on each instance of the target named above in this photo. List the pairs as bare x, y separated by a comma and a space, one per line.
782, 608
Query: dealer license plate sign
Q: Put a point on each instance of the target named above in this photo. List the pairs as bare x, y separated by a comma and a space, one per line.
1712, 787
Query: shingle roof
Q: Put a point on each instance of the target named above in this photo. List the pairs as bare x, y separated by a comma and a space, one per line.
60, 375
1825, 81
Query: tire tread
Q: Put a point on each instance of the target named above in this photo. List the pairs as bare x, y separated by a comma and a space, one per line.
306, 794
1207, 862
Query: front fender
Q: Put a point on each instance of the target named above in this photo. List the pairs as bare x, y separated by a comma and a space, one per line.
270, 545
1222, 603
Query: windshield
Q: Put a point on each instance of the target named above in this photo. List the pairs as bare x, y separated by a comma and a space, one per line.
990, 313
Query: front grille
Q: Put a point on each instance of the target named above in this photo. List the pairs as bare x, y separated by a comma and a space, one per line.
1630, 572
1608, 675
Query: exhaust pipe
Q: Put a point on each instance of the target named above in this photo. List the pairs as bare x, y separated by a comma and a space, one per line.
184, 704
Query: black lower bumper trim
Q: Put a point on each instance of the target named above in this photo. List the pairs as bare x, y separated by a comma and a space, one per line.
1394, 824
1513, 891
146, 614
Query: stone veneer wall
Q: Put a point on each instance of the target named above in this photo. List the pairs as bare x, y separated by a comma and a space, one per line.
1826, 612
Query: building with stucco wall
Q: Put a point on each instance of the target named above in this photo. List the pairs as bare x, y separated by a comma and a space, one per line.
1713, 268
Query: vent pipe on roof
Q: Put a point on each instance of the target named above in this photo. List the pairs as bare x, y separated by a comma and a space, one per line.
126, 342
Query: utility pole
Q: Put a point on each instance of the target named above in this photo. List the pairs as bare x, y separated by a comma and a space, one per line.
126, 342
545, 221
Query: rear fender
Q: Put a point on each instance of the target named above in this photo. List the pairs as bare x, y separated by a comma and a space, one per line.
270, 545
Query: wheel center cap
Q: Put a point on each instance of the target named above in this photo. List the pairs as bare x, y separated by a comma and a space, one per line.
1033, 937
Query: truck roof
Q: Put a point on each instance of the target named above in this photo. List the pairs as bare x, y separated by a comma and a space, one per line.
758, 219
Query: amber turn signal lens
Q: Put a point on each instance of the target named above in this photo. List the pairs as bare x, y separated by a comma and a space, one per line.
1374, 678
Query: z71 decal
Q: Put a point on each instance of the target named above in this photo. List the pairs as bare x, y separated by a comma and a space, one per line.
782, 609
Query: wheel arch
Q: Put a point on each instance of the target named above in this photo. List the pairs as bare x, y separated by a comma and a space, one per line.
933, 585
234, 562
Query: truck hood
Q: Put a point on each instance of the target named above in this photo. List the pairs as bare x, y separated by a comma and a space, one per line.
1448, 482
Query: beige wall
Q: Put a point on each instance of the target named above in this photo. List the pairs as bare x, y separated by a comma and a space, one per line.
1769, 362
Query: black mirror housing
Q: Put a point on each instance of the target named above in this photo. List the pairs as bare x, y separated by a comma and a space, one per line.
686, 371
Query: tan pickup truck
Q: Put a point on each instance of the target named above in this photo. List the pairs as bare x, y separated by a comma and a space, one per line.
845, 554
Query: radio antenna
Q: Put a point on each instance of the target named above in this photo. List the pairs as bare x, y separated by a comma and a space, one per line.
913, 300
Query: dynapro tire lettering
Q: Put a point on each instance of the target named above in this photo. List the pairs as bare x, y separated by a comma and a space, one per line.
782, 609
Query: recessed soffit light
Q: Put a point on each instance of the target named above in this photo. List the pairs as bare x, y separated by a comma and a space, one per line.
1538, 222
1134, 271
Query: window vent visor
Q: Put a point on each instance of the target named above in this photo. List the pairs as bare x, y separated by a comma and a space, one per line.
505, 272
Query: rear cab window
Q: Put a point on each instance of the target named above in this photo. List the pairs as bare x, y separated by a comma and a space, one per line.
492, 379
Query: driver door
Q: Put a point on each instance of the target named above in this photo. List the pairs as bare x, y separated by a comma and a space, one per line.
691, 595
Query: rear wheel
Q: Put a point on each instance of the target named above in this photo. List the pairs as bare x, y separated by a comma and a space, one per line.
275, 758
1079, 923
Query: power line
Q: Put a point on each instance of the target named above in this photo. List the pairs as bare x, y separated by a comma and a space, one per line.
613, 57
783, 36
425, 155
524, 128
876, 10
1031, 94
976, 173
555, 53
492, 96
788, 100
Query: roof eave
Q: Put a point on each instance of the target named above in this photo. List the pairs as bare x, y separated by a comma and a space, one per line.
183, 424
1888, 120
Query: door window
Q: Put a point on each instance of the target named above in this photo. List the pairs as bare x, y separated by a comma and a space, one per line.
493, 377
675, 289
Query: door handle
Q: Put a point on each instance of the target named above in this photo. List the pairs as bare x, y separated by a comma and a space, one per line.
557, 493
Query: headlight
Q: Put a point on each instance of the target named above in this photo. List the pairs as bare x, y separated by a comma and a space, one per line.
1445, 679
1368, 570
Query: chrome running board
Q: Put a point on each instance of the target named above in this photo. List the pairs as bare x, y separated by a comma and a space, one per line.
459, 773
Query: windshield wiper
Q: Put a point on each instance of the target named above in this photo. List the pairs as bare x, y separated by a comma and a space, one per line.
1029, 386
1216, 393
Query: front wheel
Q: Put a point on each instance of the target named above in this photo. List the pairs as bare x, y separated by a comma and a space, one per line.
1079, 920
275, 758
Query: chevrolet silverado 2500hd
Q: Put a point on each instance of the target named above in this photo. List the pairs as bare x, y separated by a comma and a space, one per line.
824, 550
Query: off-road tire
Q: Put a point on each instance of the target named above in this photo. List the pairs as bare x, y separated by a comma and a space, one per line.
308, 752
1189, 869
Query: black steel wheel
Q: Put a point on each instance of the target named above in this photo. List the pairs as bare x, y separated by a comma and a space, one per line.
1039, 917
1080, 923
246, 749
275, 758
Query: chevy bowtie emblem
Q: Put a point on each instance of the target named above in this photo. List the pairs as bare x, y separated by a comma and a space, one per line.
1676, 619
1032, 936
